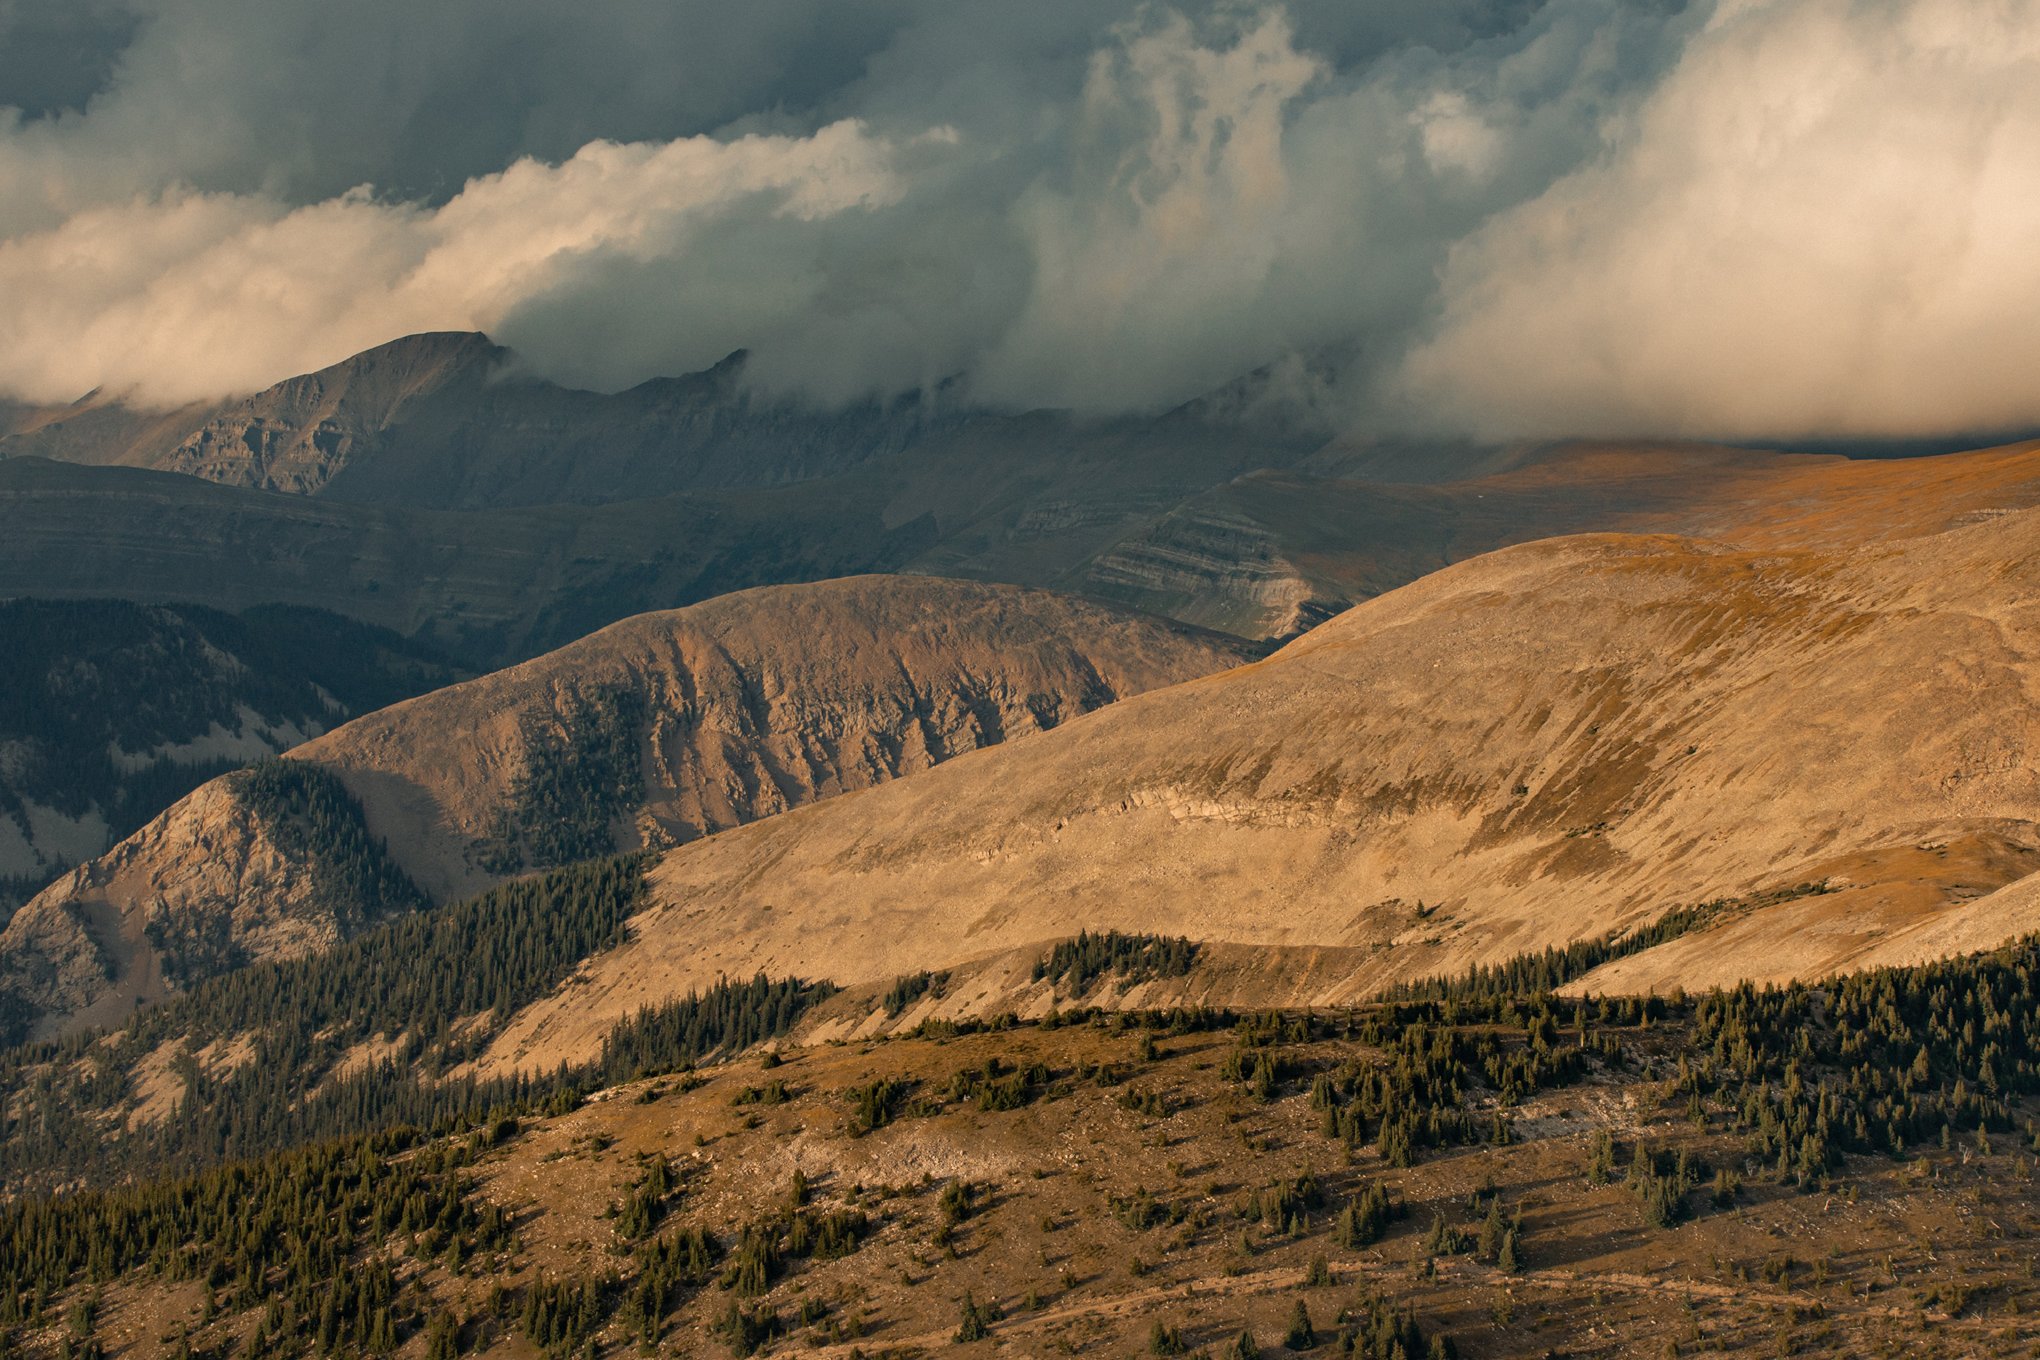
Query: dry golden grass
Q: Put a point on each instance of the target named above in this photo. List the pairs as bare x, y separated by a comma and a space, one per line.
1541, 745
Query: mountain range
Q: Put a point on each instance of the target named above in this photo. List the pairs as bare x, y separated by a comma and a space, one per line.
1536, 745
650, 733
423, 486
534, 872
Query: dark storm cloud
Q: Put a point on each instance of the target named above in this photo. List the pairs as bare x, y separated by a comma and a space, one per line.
55, 57
1579, 215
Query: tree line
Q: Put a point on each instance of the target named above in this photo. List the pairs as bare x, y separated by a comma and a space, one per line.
437, 986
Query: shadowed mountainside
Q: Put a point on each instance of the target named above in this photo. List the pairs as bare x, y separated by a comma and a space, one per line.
448, 421
491, 586
111, 711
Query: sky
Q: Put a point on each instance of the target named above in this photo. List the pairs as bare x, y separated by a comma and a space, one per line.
1743, 219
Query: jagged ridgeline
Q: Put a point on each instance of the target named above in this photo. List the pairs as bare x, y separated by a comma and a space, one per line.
582, 771
111, 711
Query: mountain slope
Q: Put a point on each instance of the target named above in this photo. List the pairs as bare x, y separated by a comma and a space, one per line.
448, 420
489, 586
741, 708
1537, 746
1275, 552
651, 732
110, 711
272, 862
689, 487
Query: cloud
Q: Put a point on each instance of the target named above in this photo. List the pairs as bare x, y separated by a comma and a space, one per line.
187, 295
1822, 222
1747, 218
1170, 220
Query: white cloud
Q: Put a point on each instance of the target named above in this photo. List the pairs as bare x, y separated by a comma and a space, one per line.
1822, 222
186, 295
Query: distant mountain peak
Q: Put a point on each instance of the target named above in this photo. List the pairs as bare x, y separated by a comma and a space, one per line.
436, 352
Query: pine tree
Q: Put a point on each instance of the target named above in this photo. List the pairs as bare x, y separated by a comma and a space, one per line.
1301, 1336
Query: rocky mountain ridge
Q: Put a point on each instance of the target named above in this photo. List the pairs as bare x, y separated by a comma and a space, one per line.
652, 732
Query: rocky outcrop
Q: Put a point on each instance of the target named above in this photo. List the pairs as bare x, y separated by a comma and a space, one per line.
746, 706
299, 435
1223, 570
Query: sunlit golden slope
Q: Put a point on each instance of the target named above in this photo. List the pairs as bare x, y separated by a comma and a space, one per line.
1542, 744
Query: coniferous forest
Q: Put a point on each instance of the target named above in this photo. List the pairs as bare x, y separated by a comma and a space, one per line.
435, 985
305, 1215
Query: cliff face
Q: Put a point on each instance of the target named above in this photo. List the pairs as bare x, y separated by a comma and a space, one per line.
650, 733
1217, 566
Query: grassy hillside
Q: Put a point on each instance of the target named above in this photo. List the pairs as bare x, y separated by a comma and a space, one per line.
1521, 751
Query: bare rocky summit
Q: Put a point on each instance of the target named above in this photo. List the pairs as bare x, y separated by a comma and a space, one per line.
446, 420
